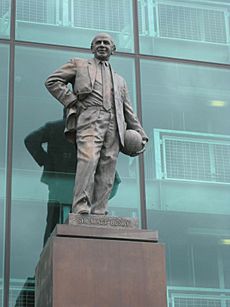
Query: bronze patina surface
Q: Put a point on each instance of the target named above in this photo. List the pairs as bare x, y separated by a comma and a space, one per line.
99, 113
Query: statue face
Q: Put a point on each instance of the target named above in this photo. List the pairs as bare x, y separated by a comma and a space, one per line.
102, 47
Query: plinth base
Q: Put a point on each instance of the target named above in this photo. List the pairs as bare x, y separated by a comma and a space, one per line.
85, 266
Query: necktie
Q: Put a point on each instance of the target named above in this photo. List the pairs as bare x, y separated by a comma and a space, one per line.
106, 85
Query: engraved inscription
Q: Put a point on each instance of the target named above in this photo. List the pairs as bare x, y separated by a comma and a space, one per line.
102, 221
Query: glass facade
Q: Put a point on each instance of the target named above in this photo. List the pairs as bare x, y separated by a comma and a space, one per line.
185, 113
174, 55
194, 29
4, 76
5, 18
75, 22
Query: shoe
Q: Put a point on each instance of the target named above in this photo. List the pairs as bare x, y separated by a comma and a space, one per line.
82, 208
99, 212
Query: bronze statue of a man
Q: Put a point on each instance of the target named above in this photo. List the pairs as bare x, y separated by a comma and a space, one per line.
99, 112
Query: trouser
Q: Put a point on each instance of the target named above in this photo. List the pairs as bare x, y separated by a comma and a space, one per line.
98, 146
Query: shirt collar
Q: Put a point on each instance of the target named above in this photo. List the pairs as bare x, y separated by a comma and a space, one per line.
97, 61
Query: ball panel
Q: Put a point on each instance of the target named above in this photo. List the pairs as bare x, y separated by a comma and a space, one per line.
132, 142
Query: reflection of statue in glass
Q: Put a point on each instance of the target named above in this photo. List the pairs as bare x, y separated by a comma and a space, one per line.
50, 149
99, 112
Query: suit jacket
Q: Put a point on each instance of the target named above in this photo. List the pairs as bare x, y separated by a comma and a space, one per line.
81, 73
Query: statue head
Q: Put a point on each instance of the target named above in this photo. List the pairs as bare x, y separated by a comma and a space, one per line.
102, 46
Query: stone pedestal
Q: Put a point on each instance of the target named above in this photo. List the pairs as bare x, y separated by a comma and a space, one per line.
101, 266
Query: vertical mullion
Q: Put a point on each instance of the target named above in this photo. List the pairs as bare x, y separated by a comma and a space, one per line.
9, 158
139, 112
136, 28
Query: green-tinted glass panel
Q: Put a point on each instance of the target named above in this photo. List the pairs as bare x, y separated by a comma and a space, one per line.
192, 29
38, 124
75, 22
4, 72
186, 111
4, 18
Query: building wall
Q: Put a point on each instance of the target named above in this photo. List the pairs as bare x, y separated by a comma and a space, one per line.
175, 57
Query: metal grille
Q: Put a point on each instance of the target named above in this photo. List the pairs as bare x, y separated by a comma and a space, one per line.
185, 159
145, 17
192, 159
87, 14
200, 302
22, 294
4, 8
222, 162
115, 16
36, 11
181, 155
198, 297
196, 302
191, 23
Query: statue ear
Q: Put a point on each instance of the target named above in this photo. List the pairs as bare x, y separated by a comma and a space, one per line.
92, 48
114, 49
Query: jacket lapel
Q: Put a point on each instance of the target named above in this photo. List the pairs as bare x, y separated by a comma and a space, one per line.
92, 70
114, 80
